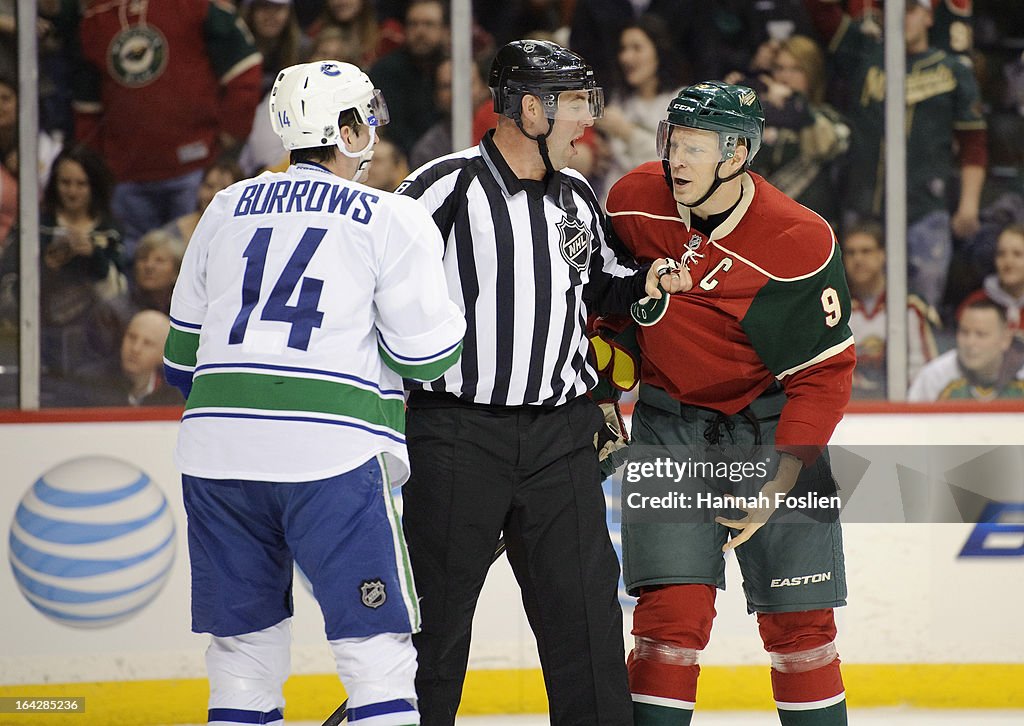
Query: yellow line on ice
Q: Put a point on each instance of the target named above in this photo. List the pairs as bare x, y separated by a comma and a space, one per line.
313, 697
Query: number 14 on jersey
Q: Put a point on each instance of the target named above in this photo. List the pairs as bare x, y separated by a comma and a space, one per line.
304, 316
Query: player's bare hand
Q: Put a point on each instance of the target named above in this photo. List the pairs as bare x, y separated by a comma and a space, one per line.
757, 517
667, 275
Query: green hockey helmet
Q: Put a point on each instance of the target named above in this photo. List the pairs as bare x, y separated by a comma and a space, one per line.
734, 112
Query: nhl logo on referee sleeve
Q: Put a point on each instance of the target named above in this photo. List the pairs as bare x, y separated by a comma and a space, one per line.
574, 242
373, 593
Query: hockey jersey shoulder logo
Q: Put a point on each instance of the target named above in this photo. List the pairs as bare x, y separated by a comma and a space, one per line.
137, 56
574, 242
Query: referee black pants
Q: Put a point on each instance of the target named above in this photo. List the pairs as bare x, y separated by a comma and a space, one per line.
531, 472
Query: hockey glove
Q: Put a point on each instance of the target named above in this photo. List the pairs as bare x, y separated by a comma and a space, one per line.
610, 438
616, 360
615, 353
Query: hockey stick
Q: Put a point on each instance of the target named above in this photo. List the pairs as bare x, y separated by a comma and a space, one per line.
341, 713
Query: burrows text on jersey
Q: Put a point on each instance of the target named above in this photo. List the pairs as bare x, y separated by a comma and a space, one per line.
305, 196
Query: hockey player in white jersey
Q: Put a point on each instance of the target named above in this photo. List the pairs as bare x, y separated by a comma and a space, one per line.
304, 298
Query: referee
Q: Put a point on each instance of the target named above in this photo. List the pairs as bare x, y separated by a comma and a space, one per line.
505, 441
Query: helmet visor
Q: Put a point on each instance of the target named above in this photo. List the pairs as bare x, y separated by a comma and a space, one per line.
694, 148
582, 104
662, 139
377, 110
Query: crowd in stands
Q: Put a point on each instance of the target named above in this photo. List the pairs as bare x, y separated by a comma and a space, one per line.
148, 108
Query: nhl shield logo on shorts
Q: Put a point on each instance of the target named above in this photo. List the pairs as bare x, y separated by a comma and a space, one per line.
373, 593
574, 242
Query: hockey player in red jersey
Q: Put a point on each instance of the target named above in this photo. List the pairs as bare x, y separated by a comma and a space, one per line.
758, 352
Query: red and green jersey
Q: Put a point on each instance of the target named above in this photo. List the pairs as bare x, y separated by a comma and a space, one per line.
769, 302
160, 80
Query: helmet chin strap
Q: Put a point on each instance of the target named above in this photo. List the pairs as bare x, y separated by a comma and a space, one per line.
364, 156
542, 143
718, 182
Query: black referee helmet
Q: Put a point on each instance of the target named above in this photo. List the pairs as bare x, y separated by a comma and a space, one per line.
539, 68
543, 69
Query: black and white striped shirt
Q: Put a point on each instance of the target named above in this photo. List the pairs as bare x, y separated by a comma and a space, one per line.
525, 261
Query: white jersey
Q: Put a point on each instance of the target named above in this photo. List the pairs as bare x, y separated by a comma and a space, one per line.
303, 299
944, 380
869, 323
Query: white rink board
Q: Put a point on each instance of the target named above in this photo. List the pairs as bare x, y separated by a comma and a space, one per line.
911, 600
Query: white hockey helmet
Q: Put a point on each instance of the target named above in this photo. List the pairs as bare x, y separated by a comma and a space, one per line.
307, 98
